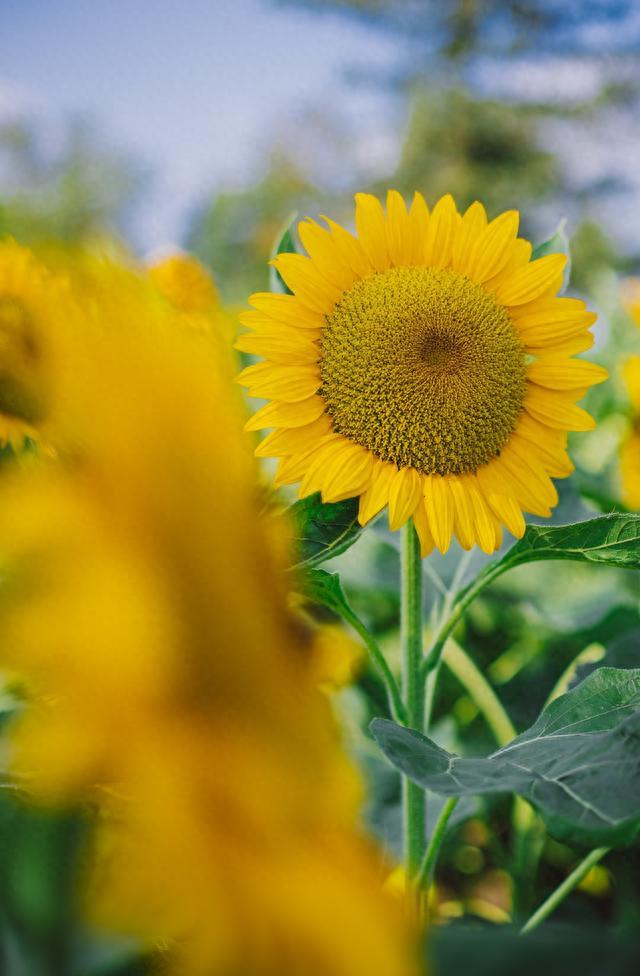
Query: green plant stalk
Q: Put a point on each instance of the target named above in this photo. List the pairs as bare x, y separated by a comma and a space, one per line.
396, 705
474, 682
430, 679
424, 877
413, 796
557, 897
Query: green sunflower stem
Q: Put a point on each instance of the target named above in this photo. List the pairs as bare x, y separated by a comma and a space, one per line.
413, 796
561, 892
427, 870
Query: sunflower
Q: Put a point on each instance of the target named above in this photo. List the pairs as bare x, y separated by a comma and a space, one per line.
424, 364
630, 449
28, 295
185, 283
228, 813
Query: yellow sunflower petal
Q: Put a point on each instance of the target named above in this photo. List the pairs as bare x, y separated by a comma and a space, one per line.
549, 453
323, 453
497, 532
306, 282
421, 523
557, 410
286, 414
550, 321
483, 523
283, 308
501, 500
526, 489
349, 248
520, 257
318, 244
405, 491
560, 373
291, 469
438, 502
283, 347
463, 524
534, 280
377, 494
418, 220
570, 347
287, 383
517, 451
469, 229
348, 474
262, 325
441, 229
370, 224
399, 240
294, 440
492, 248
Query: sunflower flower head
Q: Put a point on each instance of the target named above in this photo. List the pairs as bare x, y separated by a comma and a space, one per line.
30, 300
424, 364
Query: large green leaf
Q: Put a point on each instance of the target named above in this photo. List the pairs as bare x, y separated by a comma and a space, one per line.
608, 540
553, 949
579, 764
324, 530
613, 540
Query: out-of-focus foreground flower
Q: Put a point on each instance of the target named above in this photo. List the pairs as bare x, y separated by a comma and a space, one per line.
144, 602
29, 294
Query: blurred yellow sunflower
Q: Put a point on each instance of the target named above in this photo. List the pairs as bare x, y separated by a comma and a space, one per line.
144, 603
424, 364
28, 296
631, 298
185, 283
630, 450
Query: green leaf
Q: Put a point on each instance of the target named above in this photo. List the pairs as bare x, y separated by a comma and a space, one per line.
609, 540
558, 243
555, 949
579, 764
326, 589
324, 530
612, 540
284, 244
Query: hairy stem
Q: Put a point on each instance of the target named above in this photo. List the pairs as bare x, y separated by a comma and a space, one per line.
413, 796
424, 878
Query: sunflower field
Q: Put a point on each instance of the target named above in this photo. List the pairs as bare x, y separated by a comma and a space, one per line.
320, 524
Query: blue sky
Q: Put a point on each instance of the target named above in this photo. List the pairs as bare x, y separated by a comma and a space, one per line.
194, 89
191, 87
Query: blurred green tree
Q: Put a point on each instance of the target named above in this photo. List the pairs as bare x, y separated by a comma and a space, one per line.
81, 190
462, 126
